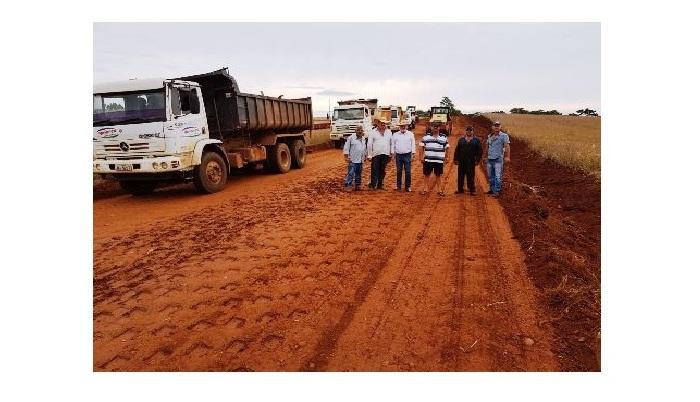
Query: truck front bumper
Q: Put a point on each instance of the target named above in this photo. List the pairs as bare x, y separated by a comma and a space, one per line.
140, 166
340, 135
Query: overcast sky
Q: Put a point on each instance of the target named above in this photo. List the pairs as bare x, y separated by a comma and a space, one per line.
480, 66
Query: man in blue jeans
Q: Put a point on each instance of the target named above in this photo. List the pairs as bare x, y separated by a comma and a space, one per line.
498, 152
355, 152
403, 145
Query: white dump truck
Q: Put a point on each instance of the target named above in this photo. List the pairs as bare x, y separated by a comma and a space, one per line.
411, 116
397, 116
196, 128
346, 118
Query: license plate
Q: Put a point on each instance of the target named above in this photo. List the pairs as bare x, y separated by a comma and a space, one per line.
124, 167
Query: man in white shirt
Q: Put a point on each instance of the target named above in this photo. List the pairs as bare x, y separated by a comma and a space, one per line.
403, 146
379, 152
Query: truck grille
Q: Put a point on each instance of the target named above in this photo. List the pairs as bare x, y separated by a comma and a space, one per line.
114, 149
346, 129
133, 146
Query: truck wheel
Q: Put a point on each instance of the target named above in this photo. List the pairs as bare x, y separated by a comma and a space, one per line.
338, 144
211, 175
281, 158
138, 187
298, 154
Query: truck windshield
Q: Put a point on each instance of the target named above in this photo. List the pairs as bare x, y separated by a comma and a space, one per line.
394, 114
128, 108
348, 114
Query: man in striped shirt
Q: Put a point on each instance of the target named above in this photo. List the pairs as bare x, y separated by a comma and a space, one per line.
433, 155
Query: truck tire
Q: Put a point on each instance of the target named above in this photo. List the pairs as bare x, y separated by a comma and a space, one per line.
338, 144
281, 158
298, 154
138, 187
211, 175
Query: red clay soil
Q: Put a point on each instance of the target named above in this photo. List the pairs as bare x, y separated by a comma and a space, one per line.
290, 273
554, 212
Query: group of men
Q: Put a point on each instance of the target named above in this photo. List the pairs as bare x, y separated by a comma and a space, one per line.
381, 146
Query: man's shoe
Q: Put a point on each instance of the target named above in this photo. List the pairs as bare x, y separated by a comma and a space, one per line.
459, 192
408, 190
358, 188
397, 189
381, 188
489, 192
472, 193
347, 188
494, 195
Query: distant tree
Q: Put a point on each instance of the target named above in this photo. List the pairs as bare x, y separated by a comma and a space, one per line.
519, 110
587, 112
114, 107
573, 114
447, 102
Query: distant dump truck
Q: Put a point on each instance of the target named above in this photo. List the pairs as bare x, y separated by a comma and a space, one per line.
397, 116
370, 103
411, 116
196, 128
383, 113
348, 116
441, 115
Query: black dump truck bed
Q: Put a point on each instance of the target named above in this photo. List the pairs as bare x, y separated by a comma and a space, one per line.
231, 113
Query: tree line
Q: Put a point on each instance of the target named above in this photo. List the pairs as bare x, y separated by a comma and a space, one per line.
580, 112
447, 102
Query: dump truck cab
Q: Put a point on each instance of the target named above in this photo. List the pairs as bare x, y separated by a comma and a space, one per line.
411, 116
397, 116
148, 128
346, 118
383, 114
441, 115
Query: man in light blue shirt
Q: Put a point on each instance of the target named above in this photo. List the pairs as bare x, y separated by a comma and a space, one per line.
355, 152
403, 145
497, 152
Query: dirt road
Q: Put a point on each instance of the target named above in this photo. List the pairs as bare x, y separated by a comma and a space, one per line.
288, 272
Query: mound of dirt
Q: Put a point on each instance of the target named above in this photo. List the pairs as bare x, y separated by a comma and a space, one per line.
554, 212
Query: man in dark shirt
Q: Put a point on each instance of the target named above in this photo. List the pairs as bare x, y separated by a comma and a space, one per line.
467, 156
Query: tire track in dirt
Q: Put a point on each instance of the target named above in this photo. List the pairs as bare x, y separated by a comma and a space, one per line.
516, 294
447, 314
230, 308
458, 283
318, 361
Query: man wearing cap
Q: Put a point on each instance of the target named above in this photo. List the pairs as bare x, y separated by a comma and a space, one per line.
379, 153
355, 152
497, 153
433, 155
467, 156
403, 146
